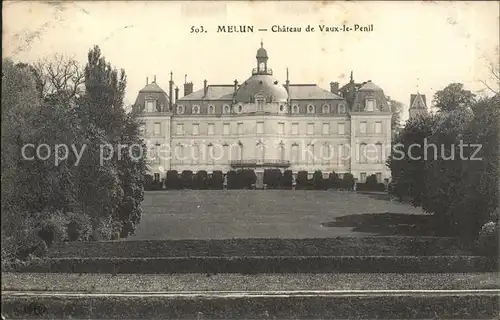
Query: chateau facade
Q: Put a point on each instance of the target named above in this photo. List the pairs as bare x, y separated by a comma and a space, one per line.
262, 123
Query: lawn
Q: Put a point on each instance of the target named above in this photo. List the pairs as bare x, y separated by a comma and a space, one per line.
224, 214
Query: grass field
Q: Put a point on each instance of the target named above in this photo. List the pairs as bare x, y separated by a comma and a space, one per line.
223, 214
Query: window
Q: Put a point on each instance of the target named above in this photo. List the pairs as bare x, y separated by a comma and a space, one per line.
226, 108
151, 105
380, 153
157, 177
211, 129
180, 129
341, 128
326, 108
370, 104
240, 108
260, 105
196, 129
281, 128
226, 129
240, 127
295, 128
157, 129
295, 153
326, 128
211, 109
378, 127
362, 177
362, 153
362, 127
295, 109
341, 108
260, 127
379, 177
282, 108
310, 128
196, 109
310, 108
180, 109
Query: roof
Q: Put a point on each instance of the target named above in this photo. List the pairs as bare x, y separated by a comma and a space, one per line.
263, 84
418, 101
152, 87
370, 86
214, 92
310, 92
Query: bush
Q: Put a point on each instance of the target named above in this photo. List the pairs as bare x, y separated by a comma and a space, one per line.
302, 180
317, 180
334, 181
348, 181
273, 178
487, 242
287, 179
187, 179
173, 181
79, 227
371, 182
201, 181
148, 182
104, 229
246, 178
217, 180
232, 180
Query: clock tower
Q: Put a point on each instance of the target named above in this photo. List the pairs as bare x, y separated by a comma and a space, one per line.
262, 59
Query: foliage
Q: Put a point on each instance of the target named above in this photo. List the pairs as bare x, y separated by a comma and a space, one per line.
396, 109
488, 240
453, 97
187, 179
217, 180
273, 178
232, 180
201, 181
348, 181
173, 182
287, 179
246, 178
79, 227
318, 182
302, 181
334, 181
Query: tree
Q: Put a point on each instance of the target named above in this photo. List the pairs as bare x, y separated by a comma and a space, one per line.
287, 179
187, 179
302, 180
217, 180
173, 182
493, 84
233, 181
348, 181
334, 181
396, 109
201, 180
453, 97
318, 182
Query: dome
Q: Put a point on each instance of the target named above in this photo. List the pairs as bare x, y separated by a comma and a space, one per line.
262, 53
263, 84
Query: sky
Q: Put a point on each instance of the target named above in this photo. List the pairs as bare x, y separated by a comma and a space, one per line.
414, 46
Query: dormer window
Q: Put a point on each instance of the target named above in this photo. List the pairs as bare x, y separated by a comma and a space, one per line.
341, 108
240, 108
226, 109
295, 109
310, 108
370, 104
180, 109
326, 108
196, 109
151, 105
211, 109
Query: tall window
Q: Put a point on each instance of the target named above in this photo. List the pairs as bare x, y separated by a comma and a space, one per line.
341, 128
362, 127
211, 129
362, 153
260, 127
196, 129
151, 105
180, 129
370, 104
310, 128
240, 127
379, 177
260, 104
281, 128
362, 177
295, 109
211, 109
378, 127
295, 128
310, 108
380, 153
157, 129
326, 128
226, 129
326, 108
295, 154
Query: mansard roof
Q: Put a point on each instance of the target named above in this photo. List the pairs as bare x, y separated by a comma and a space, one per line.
418, 101
310, 92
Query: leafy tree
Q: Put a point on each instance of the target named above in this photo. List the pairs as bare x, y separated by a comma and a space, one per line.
396, 109
318, 182
187, 179
334, 181
217, 180
287, 179
453, 97
173, 182
348, 181
273, 178
201, 181
302, 180
233, 181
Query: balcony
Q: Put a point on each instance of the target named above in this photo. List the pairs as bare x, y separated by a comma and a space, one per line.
269, 71
260, 163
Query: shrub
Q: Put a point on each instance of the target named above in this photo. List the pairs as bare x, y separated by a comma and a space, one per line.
348, 181
246, 178
187, 179
273, 178
79, 227
287, 179
232, 180
148, 182
334, 180
217, 180
173, 181
487, 242
104, 229
201, 181
371, 182
317, 180
302, 180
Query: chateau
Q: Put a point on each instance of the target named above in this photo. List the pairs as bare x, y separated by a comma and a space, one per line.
263, 123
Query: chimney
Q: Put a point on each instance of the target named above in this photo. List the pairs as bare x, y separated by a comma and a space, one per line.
188, 88
235, 85
334, 87
287, 82
176, 93
147, 81
170, 88
154, 79
205, 88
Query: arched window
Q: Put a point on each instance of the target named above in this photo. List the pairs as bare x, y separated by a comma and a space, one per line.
196, 109
295, 109
362, 153
341, 108
226, 108
180, 109
211, 109
282, 108
326, 108
310, 108
240, 108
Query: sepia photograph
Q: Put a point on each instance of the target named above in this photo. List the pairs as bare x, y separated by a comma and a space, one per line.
250, 160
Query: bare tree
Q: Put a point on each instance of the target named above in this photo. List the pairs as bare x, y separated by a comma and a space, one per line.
493, 83
59, 74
